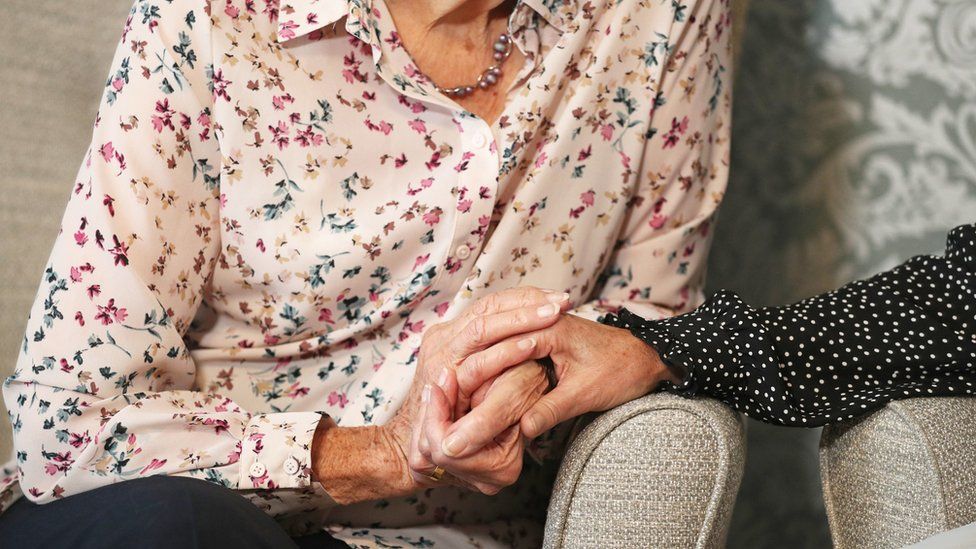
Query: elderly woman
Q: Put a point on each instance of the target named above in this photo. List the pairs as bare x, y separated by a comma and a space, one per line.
293, 217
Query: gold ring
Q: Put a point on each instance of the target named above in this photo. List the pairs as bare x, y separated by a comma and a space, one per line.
437, 474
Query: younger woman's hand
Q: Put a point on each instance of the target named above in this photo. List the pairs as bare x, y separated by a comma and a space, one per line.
598, 367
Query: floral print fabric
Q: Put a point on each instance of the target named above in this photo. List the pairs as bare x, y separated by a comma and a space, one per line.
276, 203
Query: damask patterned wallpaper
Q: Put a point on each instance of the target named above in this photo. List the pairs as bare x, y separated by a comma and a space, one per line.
854, 148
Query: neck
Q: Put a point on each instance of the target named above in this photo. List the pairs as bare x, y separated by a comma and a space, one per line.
452, 18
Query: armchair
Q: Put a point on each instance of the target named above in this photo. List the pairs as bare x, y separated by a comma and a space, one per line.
901, 474
660, 471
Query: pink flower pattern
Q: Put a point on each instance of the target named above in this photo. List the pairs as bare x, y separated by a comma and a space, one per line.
269, 218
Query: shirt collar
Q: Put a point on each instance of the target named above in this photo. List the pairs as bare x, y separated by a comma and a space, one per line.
300, 17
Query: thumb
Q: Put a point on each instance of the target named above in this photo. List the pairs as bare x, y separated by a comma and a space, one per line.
552, 409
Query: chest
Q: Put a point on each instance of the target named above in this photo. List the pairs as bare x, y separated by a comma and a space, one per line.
349, 196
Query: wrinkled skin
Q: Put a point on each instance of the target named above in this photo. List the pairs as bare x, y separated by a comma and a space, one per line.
479, 439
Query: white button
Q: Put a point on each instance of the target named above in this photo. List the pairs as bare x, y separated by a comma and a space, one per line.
258, 469
291, 466
463, 252
479, 140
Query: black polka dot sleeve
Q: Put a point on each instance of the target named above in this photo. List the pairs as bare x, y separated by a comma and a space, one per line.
907, 332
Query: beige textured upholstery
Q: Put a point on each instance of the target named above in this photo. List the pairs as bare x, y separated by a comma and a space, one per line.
661, 471
901, 474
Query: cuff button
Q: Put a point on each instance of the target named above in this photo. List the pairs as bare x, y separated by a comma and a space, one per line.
258, 469
291, 466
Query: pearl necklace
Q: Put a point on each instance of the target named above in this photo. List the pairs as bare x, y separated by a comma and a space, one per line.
490, 76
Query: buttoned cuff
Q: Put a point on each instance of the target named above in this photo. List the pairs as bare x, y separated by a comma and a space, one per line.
276, 450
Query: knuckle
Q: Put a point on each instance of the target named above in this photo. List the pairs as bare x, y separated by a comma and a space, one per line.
529, 295
416, 461
423, 453
469, 371
435, 454
520, 317
477, 330
510, 475
549, 410
486, 304
489, 489
478, 363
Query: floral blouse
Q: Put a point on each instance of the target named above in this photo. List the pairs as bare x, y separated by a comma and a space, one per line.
276, 203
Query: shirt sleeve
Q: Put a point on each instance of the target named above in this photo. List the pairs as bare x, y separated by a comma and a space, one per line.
908, 332
657, 267
103, 389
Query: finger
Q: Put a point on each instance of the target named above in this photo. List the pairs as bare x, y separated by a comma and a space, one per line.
482, 331
553, 408
420, 435
511, 444
437, 420
436, 415
480, 393
497, 466
478, 368
513, 298
502, 408
447, 381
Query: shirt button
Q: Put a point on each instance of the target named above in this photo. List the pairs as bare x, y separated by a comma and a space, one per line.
291, 466
479, 140
258, 469
463, 252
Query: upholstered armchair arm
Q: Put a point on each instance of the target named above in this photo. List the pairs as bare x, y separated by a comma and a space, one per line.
661, 471
901, 474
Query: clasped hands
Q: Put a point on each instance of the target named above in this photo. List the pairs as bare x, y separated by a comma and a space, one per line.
482, 395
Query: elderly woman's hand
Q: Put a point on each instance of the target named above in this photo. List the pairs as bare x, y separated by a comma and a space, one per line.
499, 462
362, 463
598, 367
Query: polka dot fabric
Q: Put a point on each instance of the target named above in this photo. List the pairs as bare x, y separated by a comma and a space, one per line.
907, 332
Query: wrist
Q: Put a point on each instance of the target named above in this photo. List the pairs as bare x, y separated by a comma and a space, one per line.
657, 369
355, 464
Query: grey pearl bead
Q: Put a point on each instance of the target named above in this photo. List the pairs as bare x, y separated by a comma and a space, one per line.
499, 56
491, 78
500, 46
483, 84
503, 38
495, 71
468, 90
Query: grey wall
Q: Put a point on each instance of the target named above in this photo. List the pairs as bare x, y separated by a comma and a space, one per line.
54, 57
854, 147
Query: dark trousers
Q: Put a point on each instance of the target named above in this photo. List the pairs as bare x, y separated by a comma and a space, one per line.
153, 513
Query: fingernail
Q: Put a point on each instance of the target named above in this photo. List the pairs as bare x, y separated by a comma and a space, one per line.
526, 344
453, 445
425, 395
547, 310
557, 298
442, 381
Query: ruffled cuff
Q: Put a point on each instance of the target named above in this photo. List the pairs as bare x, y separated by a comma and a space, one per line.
694, 344
655, 334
